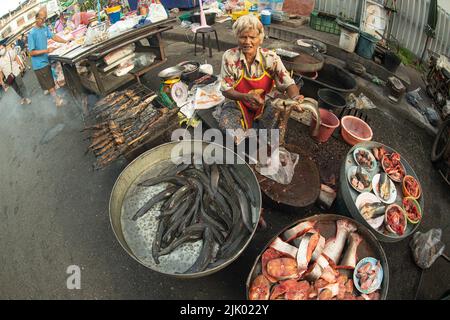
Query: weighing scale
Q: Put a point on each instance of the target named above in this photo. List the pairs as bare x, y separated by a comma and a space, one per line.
173, 93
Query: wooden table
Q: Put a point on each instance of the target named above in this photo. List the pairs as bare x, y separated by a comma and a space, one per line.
147, 39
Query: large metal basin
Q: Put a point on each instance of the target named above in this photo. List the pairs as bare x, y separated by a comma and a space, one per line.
349, 195
326, 223
127, 197
330, 77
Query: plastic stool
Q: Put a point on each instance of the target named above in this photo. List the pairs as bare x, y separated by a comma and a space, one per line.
206, 30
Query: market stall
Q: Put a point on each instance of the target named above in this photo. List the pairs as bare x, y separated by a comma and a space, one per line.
87, 68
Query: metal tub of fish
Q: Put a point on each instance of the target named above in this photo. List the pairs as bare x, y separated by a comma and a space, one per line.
185, 220
311, 264
351, 196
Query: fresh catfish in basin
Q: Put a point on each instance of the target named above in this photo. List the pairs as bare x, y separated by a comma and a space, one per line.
334, 246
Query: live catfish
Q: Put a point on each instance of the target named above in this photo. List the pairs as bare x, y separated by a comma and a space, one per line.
204, 202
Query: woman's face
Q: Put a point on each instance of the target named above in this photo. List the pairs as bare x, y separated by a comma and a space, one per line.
249, 41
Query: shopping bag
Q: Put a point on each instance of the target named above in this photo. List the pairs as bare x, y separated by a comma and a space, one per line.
156, 12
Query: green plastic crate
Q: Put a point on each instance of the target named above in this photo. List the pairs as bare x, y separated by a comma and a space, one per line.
322, 22
185, 17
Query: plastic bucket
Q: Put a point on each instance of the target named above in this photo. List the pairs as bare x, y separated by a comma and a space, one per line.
366, 45
348, 40
113, 9
266, 18
328, 123
330, 99
114, 17
114, 14
391, 61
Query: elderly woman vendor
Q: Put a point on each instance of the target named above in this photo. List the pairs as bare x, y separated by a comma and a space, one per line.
248, 73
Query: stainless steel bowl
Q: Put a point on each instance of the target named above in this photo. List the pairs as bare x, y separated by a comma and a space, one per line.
136, 237
171, 73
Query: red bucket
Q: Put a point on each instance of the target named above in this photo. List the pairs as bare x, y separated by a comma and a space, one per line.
328, 123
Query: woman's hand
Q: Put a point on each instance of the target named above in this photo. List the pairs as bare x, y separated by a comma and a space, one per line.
255, 101
299, 98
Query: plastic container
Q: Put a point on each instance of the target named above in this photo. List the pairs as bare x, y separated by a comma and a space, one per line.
264, 5
237, 14
391, 61
331, 100
417, 205
406, 192
354, 130
322, 22
114, 13
276, 5
266, 17
348, 40
366, 45
328, 123
210, 18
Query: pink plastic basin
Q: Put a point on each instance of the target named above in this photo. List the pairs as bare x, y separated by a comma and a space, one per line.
354, 130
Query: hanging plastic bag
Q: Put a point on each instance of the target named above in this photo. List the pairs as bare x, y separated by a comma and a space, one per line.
427, 247
360, 102
156, 12
281, 172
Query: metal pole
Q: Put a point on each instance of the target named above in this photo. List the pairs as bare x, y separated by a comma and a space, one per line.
98, 10
425, 49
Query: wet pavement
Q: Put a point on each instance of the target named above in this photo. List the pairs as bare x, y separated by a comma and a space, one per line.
54, 208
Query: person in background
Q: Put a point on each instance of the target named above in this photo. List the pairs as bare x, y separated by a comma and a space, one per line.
10, 70
37, 46
21, 42
22, 54
83, 18
143, 7
60, 24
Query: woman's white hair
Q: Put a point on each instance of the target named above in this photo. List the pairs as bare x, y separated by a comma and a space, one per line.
247, 23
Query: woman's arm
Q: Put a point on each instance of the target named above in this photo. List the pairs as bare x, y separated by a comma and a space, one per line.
254, 100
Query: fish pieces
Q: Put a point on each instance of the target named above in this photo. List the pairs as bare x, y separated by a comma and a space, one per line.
282, 268
268, 255
260, 288
291, 290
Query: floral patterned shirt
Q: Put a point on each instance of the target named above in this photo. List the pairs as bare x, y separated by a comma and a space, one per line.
233, 62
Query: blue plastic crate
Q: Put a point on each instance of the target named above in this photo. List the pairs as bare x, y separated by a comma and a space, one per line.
180, 4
